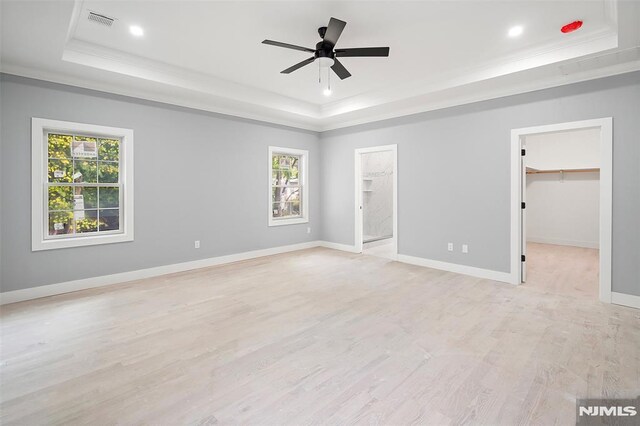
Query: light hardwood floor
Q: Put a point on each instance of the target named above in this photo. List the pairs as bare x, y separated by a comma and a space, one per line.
565, 270
313, 337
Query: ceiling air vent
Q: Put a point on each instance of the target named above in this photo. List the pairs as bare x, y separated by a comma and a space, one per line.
100, 19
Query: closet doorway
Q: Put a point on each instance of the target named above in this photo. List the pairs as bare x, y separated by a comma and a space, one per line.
561, 218
376, 188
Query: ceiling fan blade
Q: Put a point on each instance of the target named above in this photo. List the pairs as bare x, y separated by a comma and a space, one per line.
334, 29
287, 46
340, 70
362, 51
298, 65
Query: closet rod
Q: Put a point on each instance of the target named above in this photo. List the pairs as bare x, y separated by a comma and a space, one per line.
531, 171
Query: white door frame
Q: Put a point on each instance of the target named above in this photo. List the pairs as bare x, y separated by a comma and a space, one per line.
358, 194
606, 188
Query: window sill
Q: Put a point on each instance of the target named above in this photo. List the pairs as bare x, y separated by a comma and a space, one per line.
59, 243
281, 222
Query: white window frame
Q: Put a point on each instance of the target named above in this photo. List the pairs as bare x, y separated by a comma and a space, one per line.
39, 179
304, 186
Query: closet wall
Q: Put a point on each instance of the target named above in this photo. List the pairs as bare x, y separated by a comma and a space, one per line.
563, 208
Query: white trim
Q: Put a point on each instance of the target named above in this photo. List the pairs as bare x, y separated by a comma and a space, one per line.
119, 278
458, 269
410, 106
625, 300
572, 243
338, 246
304, 193
105, 280
606, 188
38, 178
358, 212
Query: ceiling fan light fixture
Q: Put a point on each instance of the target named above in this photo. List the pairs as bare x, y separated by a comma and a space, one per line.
326, 62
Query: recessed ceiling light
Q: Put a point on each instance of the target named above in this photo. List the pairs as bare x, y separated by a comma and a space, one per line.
327, 92
515, 31
136, 30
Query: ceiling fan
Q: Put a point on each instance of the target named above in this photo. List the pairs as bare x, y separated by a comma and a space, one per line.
325, 51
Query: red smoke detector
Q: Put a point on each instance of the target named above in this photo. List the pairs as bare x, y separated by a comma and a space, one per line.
569, 28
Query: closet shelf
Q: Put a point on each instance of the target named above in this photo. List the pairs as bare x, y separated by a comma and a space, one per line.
532, 171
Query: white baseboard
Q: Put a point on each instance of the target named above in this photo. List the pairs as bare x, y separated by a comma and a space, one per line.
454, 267
104, 280
585, 244
625, 300
337, 246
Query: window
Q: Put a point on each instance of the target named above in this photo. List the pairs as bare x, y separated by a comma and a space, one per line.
82, 177
288, 186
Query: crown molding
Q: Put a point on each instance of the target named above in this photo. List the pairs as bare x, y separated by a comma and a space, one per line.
474, 93
186, 99
594, 43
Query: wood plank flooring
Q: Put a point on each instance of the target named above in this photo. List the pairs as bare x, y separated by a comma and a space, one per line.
313, 337
565, 270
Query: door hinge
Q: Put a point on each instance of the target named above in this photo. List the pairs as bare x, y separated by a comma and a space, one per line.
523, 258
523, 152
524, 205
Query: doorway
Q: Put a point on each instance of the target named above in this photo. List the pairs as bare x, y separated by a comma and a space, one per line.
376, 182
561, 189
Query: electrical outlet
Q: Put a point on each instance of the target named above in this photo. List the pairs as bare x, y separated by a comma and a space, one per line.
196, 244
308, 230
450, 246
465, 248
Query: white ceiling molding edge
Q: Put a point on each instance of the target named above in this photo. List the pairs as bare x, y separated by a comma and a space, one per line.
557, 52
221, 106
426, 103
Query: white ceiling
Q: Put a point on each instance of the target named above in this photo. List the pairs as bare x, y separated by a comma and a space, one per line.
209, 55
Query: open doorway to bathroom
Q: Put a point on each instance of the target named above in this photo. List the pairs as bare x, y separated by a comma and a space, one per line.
376, 206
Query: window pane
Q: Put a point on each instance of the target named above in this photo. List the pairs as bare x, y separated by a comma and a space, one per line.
109, 149
108, 172
60, 223
281, 177
283, 194
287, 209
59, 146
85, 171
59, 170
86, 221
294, 162
280, 210
60, 198
109, 220
295, 208
109, 197
85, 197
84, 147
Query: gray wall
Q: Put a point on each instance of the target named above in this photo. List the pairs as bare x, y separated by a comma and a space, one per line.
198, 176
453, 179
454, 172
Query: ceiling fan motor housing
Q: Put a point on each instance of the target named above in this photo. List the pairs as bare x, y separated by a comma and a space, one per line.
324, 50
